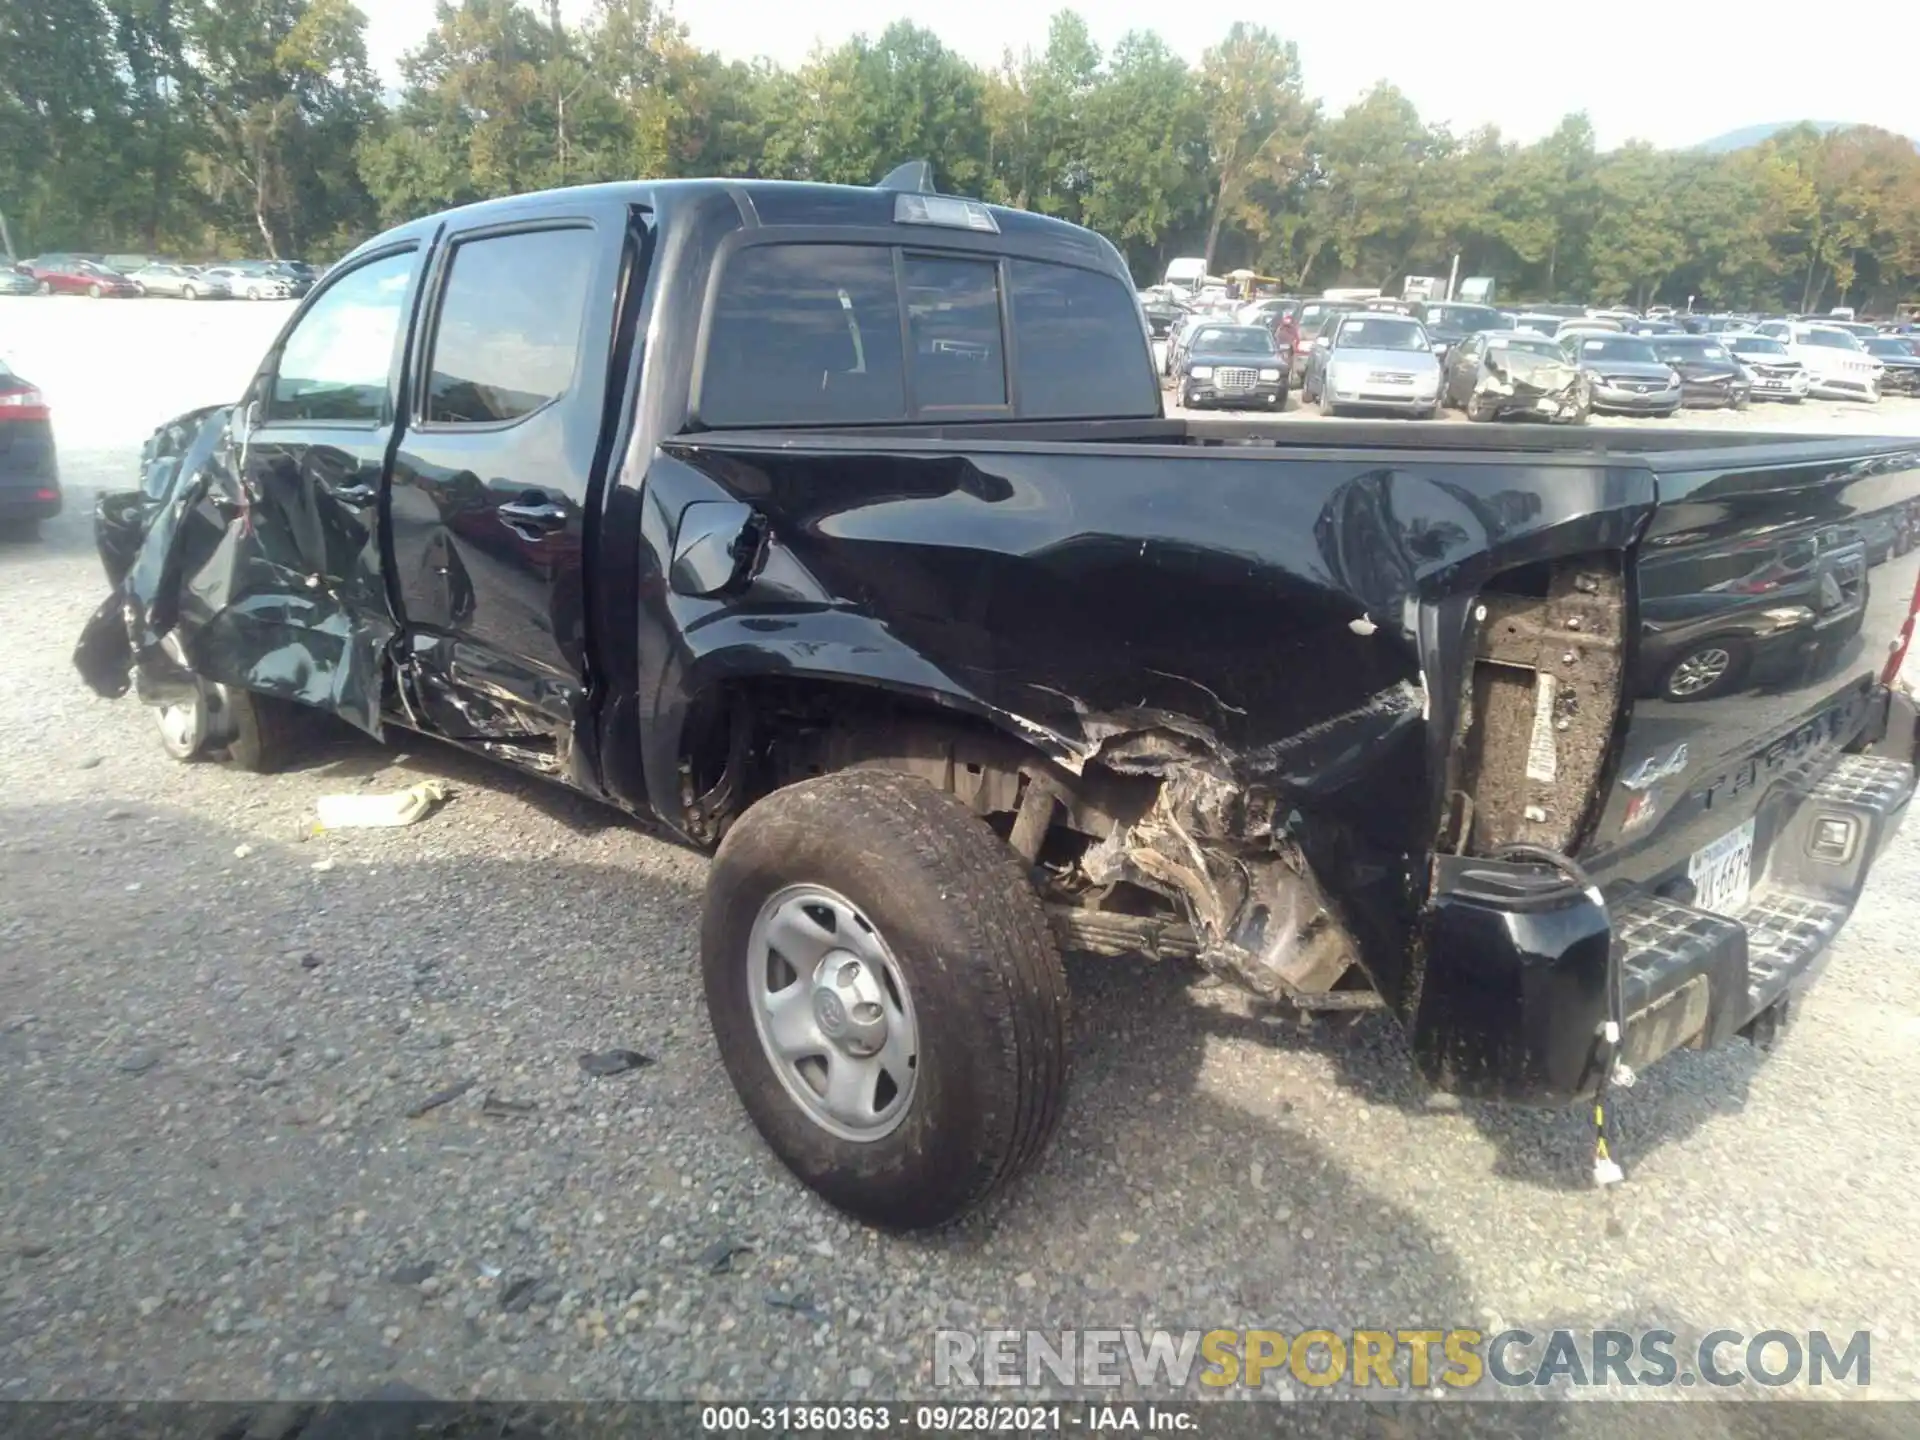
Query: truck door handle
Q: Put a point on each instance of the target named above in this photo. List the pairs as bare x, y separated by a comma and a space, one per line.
354, 495
532, 511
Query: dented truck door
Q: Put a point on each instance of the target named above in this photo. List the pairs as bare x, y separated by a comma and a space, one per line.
494, 475
298, 606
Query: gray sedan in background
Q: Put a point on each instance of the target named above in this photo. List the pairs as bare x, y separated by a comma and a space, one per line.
182, 281
1628, 378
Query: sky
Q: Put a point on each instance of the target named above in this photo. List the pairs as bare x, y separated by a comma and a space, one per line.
1689, 73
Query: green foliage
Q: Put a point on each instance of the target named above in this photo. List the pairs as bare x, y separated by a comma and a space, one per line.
257, 126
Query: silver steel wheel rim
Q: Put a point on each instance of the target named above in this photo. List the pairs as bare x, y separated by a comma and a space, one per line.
180, 726
1699, 671
833, 1012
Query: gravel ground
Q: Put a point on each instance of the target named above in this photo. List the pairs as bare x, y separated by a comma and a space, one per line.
213, 1032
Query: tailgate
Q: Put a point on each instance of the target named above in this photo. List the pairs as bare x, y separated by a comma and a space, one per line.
1736, 835
1769, 601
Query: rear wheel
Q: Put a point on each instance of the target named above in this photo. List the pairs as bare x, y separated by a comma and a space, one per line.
189, 292
95, 292
45, 287
256, 733
886, 995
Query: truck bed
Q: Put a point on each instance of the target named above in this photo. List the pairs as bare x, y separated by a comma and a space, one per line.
1399, 637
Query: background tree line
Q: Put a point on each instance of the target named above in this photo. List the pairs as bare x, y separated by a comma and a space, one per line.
208, 127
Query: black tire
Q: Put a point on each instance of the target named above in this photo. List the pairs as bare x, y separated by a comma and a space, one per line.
256, 733
977, 958
266, 734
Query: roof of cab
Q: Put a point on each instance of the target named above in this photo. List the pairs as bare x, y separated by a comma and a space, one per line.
762, 203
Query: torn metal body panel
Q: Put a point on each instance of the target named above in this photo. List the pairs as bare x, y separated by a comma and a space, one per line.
1271, 673
260, 582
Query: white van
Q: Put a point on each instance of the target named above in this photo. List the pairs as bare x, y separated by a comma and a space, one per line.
1188, 272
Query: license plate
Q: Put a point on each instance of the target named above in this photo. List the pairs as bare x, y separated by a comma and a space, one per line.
1722, 873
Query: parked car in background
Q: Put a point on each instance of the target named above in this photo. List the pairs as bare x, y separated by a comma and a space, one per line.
247, 281
1784, 609
1655, 327
15, 282
79, 277
1900, 365
1514, 375
1837, 363
1178, 334
1374, 362
1710, 376
1162, 309
1314, 316
1538, 321
1776, 373
1449, 322
1267, 310
299, 277
1233, 367
1627, 377
1859, 329
29, 473
1588, 325
180, 281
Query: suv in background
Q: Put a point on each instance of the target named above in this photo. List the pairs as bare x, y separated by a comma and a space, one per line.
1837, 364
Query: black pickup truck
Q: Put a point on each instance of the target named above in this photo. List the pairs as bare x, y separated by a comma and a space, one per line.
839, 531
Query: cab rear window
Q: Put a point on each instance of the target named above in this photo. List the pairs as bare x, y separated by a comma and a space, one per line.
812, 334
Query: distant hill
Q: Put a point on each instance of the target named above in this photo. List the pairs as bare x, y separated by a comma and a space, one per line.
1751, 135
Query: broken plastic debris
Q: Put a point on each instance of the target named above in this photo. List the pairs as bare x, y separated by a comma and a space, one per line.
441, 1097
378, 812
801, 1304
323, 865
612, 1062
717, 1258
501, 1109
1362, 626
241, 852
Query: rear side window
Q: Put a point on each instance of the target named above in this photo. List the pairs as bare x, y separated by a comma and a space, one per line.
805, 335
1081, 350
953, 316
509, 332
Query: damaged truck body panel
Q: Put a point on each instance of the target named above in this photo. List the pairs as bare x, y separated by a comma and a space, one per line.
1564, 749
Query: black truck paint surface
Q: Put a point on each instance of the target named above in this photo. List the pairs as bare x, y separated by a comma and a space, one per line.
1356, 715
